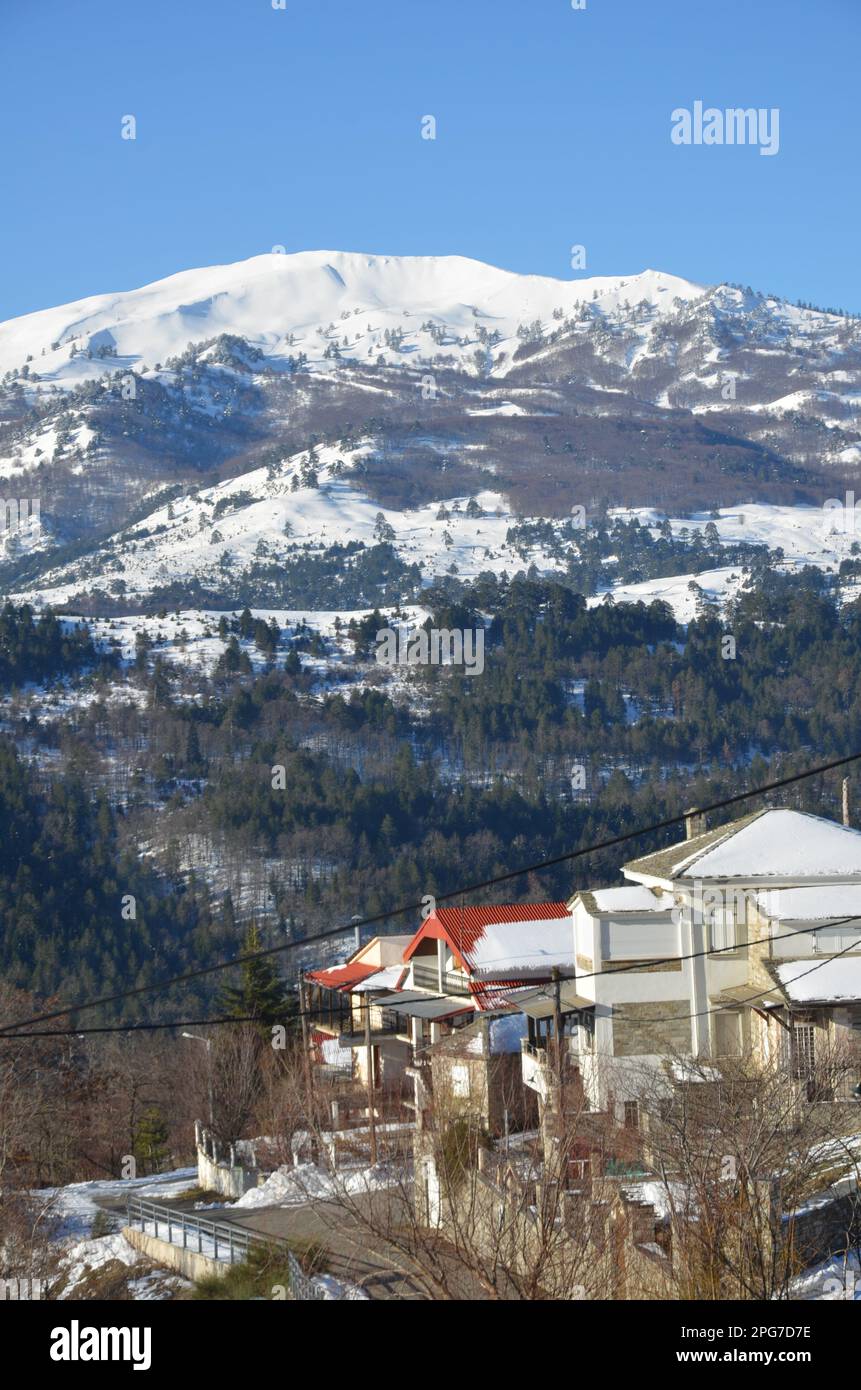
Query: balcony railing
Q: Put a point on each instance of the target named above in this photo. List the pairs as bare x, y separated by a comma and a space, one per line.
426, 976
386, 1024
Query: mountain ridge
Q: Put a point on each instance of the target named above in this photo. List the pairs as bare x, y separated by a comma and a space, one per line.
274, 294
455, 377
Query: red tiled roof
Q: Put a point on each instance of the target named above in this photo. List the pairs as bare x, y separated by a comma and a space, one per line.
462, 927
342, 977
491, 995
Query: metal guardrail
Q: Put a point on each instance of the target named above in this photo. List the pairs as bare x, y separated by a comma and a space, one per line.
224, 1241
219, 1240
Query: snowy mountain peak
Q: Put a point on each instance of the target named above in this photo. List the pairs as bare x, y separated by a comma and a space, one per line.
309, 301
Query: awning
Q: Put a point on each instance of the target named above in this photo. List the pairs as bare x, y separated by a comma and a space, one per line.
541, 1003
418, 1005
748, 994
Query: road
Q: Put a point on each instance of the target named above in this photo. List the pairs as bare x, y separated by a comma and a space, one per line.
376, 1270
325, 1223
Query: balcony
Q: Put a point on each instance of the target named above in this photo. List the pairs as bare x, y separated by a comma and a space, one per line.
536, 1071
426, 976
386, 1029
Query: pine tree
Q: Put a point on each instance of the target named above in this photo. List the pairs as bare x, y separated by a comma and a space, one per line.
150, 1141
261, 992
193, 761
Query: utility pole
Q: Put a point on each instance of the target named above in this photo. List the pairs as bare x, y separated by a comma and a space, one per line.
845, 800
306, 1046
557, 1021
370, 1069
207, 1042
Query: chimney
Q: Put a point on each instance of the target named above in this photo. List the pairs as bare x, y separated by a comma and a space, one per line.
695, 823
845, 800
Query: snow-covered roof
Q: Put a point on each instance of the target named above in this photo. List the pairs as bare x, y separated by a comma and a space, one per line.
824, 902
388, 978
344, 977
773, 843
665, 1197
519, 947
834, 980
503, 941
629, 898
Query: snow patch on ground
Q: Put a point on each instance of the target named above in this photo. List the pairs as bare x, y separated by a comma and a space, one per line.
77, 1205
88, 1255
306, 1182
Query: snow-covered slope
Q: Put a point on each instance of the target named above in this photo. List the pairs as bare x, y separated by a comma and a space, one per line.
551, 393
286, 304
307, 504
271, 515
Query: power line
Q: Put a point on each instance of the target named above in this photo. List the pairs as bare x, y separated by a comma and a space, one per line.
722, 1008
430, 997
152, 1027
570, 855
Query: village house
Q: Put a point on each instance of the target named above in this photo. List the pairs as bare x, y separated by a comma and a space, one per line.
346, 1017
744, 937
413, 992
476, 1076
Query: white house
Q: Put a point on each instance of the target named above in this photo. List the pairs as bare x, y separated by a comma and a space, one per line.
724, 942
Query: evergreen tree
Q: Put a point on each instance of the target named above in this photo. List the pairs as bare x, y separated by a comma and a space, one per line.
261, 992
150, 1144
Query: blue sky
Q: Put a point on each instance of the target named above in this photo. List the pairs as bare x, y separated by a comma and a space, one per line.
259, 127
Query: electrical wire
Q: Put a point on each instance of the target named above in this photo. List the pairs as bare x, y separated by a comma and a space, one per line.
570, 855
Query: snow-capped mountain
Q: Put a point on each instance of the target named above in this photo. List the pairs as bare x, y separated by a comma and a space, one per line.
422, 382
314, 302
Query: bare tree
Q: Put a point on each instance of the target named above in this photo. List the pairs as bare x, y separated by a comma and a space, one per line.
739, 1151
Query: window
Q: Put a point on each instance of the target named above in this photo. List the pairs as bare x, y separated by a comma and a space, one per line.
721, 928
831, 940
632, 1114
726, 919
803, 1050
728, 1033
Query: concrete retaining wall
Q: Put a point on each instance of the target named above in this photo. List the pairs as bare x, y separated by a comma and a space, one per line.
186, 1262
226, 1180
226, 1176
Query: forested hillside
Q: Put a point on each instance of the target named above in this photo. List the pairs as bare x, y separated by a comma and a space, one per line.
150, 811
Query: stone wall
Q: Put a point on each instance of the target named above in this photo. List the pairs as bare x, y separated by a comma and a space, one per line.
636, 1035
